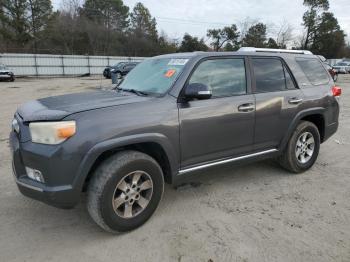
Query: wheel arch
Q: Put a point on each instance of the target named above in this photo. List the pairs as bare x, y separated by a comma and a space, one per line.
319, 121
155, 145
315, 116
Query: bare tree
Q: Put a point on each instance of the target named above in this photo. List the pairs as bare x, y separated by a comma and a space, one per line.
299, 41
284, 34
71, 7
70, 24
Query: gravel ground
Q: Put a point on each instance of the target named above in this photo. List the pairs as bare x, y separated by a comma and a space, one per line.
257, 212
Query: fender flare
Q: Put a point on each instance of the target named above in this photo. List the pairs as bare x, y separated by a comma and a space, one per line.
92, 155
296, 120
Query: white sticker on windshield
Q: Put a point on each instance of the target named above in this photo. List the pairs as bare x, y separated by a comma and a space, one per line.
178, 62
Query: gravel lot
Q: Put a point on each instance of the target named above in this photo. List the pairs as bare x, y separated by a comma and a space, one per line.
248, 213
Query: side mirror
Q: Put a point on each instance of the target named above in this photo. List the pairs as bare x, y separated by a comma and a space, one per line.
197, 91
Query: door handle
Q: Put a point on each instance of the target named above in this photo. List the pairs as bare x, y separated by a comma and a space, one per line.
295, 100
246, 107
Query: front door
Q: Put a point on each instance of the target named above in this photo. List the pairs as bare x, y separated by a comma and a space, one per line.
222, 126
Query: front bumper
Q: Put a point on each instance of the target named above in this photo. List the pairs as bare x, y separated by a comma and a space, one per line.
62, 195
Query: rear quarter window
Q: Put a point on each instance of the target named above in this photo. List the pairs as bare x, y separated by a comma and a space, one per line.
313, 70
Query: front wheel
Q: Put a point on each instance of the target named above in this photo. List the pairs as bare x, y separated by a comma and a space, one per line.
302, 149
125, 191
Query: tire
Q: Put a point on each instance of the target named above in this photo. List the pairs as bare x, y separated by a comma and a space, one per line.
107, 74
301, 163
110, 177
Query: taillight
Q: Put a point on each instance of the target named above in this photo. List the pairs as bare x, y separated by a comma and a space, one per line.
336, 91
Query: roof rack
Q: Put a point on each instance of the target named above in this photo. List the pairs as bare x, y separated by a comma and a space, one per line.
268, 50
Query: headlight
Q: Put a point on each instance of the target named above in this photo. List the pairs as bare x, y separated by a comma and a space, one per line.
51, 133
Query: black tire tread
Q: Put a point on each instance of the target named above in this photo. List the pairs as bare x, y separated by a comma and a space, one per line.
285, 159
100, 177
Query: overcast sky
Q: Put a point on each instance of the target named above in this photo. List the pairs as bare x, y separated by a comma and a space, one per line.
196, 16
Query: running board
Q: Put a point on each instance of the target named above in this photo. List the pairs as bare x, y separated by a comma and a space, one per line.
220, 162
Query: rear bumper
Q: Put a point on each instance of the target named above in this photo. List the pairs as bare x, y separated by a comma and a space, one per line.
330, 130
6, 76
62, 196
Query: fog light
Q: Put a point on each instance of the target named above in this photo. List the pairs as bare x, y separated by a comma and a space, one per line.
35, 174
15, 125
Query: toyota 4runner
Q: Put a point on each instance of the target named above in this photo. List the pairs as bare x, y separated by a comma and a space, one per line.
171, 116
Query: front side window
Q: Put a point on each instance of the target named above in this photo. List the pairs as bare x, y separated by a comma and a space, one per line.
224, 77
313, 70
269, 75
154, 75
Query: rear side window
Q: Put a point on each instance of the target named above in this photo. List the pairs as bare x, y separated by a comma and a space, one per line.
269, 75
313, 70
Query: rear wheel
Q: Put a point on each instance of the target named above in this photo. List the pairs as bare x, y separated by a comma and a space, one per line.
125, 191
302, 149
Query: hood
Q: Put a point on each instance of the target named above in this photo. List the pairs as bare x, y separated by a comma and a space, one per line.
58, 107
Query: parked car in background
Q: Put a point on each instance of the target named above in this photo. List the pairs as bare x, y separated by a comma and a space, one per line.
6, 74
121, 69
342, 67
332, 72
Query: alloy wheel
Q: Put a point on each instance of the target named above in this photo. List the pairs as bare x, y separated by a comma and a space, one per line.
305, 147
132, 194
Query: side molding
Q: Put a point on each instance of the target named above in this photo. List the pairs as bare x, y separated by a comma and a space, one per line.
224, 161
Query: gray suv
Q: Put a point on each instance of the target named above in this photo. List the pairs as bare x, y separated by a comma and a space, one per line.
172, 116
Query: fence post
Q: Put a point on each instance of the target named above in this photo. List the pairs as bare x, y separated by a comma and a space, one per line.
36, 66
62, 62
88, 61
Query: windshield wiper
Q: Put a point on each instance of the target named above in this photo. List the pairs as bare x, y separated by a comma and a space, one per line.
134, 91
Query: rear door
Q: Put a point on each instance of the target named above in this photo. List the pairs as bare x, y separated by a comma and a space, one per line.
277, 101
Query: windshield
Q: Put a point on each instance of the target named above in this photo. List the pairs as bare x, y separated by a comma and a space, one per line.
118, 65
154, 76
341, 64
